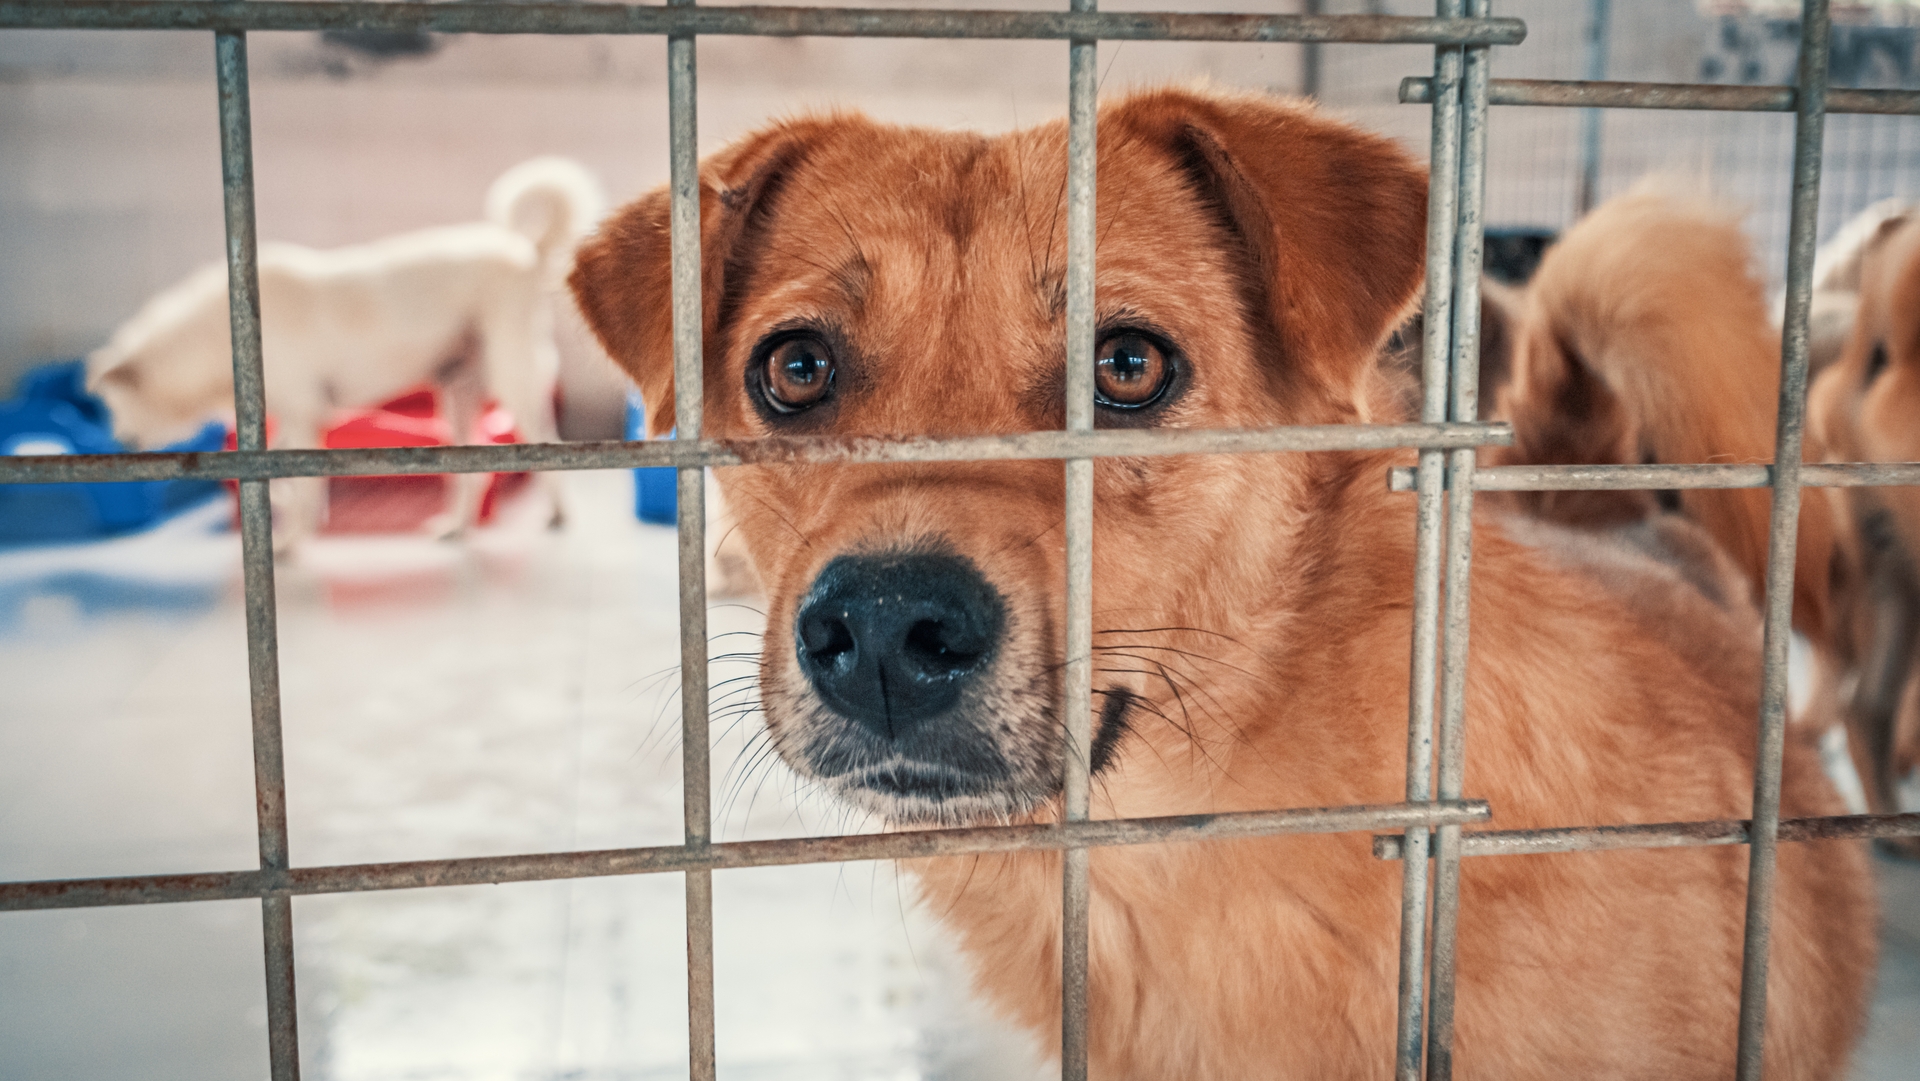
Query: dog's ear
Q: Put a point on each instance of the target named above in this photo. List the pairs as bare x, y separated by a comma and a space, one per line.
1564, 412
1333, 219
1499, 323
1885, 230
126, 376
622, 276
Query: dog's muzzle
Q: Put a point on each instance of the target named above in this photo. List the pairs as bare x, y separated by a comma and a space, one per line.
891, 642
899, 647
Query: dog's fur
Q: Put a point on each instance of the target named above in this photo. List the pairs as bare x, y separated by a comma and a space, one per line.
1252, 613
465, 307
1862, 409
1405, 353
1646, 340
1836, 282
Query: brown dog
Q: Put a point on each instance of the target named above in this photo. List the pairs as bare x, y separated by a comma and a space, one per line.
1252, 613
1645, 339
1863, 408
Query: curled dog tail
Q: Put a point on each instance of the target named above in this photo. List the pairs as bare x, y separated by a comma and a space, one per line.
551, 201
1647, 339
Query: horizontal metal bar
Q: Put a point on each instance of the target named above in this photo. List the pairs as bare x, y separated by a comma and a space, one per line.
913, 844
1730, 831
1418, 90
595, 18
612, 454
1627, 478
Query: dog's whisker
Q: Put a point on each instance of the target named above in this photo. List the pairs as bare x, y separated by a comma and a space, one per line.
1171, 630
764, 763
720, 605
1121, 649
734, 634
769, 508
740, 773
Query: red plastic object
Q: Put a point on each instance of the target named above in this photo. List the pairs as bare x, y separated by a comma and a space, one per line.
404, 502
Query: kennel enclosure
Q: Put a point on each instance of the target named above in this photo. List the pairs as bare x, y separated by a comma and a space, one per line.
1426, 829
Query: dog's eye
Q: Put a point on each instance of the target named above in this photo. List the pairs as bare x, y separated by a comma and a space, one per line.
799, 372
1130, 372
1876, 361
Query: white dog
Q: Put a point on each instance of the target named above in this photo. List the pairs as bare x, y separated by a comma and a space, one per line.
465, 307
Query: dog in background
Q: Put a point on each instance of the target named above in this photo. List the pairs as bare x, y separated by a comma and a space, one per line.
465, 307
1252, 613
1865, 407
1836, 282
1646, 339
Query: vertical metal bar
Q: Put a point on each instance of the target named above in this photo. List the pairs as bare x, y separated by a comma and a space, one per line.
691, 510
256, 543
1444, 167
1310, 58
1599, 30
1077, 691
1803, 232
1464, 405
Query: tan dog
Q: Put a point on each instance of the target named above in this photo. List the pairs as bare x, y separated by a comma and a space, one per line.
1866, 408
1646, 339
1252, 613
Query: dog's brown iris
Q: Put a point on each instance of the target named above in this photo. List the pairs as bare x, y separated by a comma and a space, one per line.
1130, 371
799, 373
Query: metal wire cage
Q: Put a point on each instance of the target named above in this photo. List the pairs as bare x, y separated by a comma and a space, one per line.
1429, 839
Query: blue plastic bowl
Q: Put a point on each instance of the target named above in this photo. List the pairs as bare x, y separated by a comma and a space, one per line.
55, 415
654, 492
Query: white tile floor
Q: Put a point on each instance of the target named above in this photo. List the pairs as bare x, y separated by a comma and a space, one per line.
510, 694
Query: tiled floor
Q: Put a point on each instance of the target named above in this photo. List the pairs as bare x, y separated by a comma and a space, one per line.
509, 694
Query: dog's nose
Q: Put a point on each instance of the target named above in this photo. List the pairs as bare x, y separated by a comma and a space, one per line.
889, 641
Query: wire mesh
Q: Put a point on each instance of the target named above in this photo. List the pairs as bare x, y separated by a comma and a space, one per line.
256, 543
1076, 699
1430, 819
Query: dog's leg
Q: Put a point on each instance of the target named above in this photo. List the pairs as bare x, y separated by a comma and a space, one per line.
1873, 708
542, 425
463, 396
300, 503
520, 364
1906, 726
1887, 683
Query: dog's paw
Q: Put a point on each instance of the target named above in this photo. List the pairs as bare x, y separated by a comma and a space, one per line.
445, 527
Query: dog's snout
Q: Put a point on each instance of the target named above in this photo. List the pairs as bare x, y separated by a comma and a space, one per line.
889, 641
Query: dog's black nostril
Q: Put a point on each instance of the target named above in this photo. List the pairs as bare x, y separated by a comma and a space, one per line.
939, 650
890, 641
826, 639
